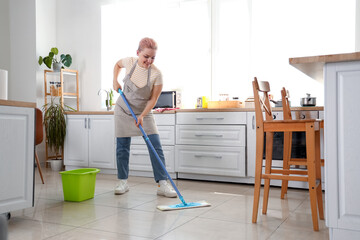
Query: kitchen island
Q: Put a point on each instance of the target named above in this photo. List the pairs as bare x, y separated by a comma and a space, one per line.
17, 131
341, 76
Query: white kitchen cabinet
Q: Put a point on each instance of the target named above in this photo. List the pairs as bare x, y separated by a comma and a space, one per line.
251, 140
139, 162
250, 143
211, 135
17, 134
211, 160
213, 118
211, 143
90, 141
342, 165
140, 158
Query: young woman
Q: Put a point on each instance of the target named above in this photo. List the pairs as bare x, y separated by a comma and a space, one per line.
142, 87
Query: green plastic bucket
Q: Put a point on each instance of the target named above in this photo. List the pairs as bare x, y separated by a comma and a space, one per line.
79, 184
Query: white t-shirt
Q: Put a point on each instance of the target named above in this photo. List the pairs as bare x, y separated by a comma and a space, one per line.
140, 74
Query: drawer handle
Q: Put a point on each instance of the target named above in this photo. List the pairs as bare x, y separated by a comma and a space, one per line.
208, 135
208, 155
202, 118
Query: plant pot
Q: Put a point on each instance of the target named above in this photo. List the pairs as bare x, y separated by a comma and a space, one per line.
56, 165
56, 67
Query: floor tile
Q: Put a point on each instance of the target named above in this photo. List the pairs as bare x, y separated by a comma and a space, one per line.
24, 229
72, 214
140, 223
211, 229
89, 234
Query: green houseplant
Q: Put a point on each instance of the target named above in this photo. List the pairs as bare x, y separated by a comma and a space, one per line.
53, 59
55, 125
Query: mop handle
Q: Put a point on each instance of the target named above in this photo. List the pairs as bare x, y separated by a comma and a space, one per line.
152, 147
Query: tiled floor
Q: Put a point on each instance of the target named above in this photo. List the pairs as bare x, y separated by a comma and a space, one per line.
134, 214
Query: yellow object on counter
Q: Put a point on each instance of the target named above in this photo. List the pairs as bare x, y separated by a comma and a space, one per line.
205, 102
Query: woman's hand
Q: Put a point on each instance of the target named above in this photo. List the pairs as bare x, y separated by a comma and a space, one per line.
140, 120
116, 86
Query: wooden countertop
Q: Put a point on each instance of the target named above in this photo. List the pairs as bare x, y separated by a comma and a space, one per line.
17, 104
277, 109
313, 66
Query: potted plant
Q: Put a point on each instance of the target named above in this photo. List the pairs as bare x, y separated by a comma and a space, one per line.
52, 59
55, 128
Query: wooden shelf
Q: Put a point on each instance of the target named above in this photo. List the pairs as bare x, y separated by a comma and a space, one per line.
58, 92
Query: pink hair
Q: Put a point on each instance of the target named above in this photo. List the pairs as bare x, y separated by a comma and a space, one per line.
147, 43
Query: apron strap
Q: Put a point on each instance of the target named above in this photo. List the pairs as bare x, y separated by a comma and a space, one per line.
149, 73
132, 69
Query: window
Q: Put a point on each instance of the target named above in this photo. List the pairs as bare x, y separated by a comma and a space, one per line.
210, 47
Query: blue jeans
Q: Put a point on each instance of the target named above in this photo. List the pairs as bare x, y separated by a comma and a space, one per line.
123, 153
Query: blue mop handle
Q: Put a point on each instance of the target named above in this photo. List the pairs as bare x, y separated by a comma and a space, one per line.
152, 147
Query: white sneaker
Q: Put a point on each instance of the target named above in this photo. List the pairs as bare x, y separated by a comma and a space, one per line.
165, 189
122, 187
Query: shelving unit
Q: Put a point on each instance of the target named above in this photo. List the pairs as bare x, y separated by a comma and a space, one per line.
66, 88
59, 92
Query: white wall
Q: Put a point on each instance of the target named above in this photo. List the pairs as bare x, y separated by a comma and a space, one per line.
79, 34
357, 27
17, 47
45, 40
22, 29
4, 35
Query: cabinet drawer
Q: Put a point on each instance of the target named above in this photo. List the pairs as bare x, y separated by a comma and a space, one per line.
140, 158
167, 119
223, 161
211, 118
167, 136
216, 135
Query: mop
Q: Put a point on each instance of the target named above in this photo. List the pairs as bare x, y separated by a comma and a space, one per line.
183, 204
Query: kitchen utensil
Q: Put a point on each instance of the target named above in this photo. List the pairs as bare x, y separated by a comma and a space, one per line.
183, 205
277, 103
308, 101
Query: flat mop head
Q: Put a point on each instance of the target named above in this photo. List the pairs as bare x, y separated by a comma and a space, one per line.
183, 206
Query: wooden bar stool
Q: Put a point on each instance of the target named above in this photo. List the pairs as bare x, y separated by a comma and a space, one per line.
287, 160
268, 126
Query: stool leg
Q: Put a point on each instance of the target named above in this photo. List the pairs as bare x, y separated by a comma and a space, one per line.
318, 175
268, 161
39, 167
286, 159
311, 158
258, 172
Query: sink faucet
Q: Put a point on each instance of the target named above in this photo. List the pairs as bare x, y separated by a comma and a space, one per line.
107, 101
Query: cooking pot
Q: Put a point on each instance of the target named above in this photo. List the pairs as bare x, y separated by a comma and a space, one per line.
278, 103
308, 101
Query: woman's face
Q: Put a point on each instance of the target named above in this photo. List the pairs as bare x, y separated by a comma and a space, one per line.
146, 57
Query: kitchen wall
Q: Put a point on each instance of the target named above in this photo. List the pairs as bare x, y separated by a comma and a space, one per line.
18, 47
79, 34
357, 27
4, 35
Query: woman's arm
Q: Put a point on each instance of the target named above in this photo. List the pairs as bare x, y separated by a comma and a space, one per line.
117, 69
156, 91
